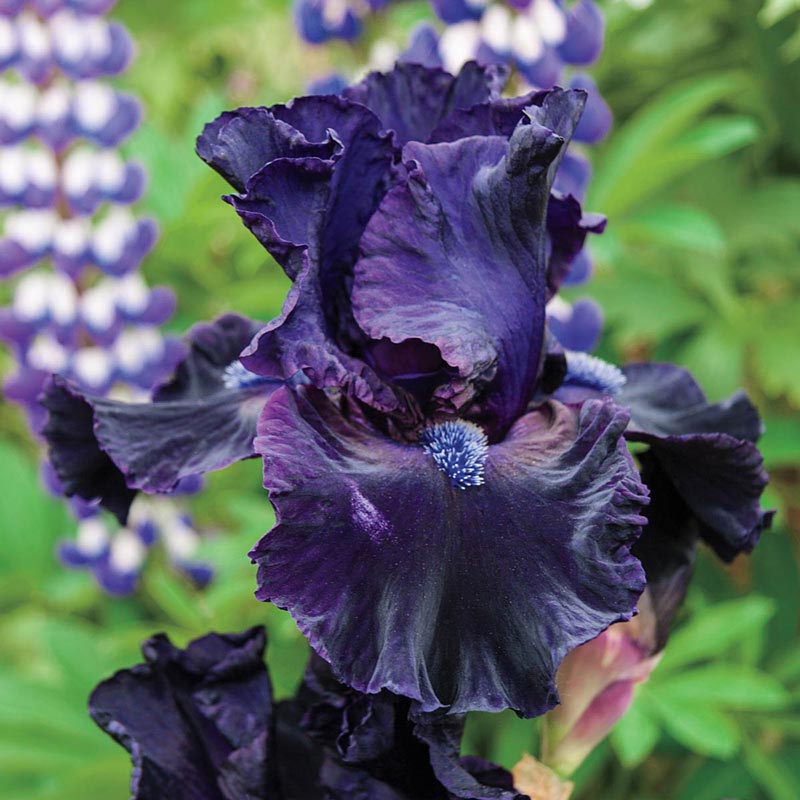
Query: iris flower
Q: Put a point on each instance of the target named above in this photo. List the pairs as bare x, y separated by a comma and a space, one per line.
201, 724
448, 528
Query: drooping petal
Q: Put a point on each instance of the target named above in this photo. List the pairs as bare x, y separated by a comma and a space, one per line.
203, 420
412, 100
707, 450
197, 722
463, 598
381, 749
455, 257
666, 549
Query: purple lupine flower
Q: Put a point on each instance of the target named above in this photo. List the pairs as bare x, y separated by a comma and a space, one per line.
220, 735
449, 528
80, 309
319, 21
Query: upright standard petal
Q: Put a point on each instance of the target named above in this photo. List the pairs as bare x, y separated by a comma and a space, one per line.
455, 257
412, 100
457, 595
197, 722
203, 420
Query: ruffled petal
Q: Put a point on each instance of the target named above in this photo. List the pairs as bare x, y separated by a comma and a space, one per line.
382, 750
403, 581
298, 342
707, 450
455, 257
412, 100
238, 143
197, 722
203, 420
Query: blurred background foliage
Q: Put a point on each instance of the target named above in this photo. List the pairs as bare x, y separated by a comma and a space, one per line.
700, 265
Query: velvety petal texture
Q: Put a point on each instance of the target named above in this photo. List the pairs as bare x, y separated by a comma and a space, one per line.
412, 100
472, 278
458, 598
707, 451
202, 420
197, 722
200, 724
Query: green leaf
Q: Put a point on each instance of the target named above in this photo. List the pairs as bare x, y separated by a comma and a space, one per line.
636, 734
724, 686
770, 773
781, 441
675, 226
701, 729
641, 156
714, 630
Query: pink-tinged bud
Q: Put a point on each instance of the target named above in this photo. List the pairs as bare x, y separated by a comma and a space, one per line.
596, 683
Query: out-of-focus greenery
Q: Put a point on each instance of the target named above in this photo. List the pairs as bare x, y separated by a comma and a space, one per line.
700, 265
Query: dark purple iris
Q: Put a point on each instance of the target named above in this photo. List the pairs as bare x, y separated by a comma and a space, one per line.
201, 724
448, 529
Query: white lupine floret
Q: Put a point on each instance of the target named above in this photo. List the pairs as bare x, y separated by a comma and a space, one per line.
97, 33
131, 294
33, 38
137, 347
42, 169
179, 538
77, 173
477, 4
334, 12
47, 354
383, 55
97, 305
93, 536
8, 38
109, 170
13, 172
62, 299
111, 236
53, 104
32, 228
496, 27
128, 552
559, 309
18, 105
127, 352
67, 36
92, 366
526, 39
150, 341
550, 21
71, 236
94, 104
458, 44
30, 297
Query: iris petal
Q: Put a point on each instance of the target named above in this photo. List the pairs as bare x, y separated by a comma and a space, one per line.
412, 100
196, 722
471, 277
706, 449
464, 599
198, 422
